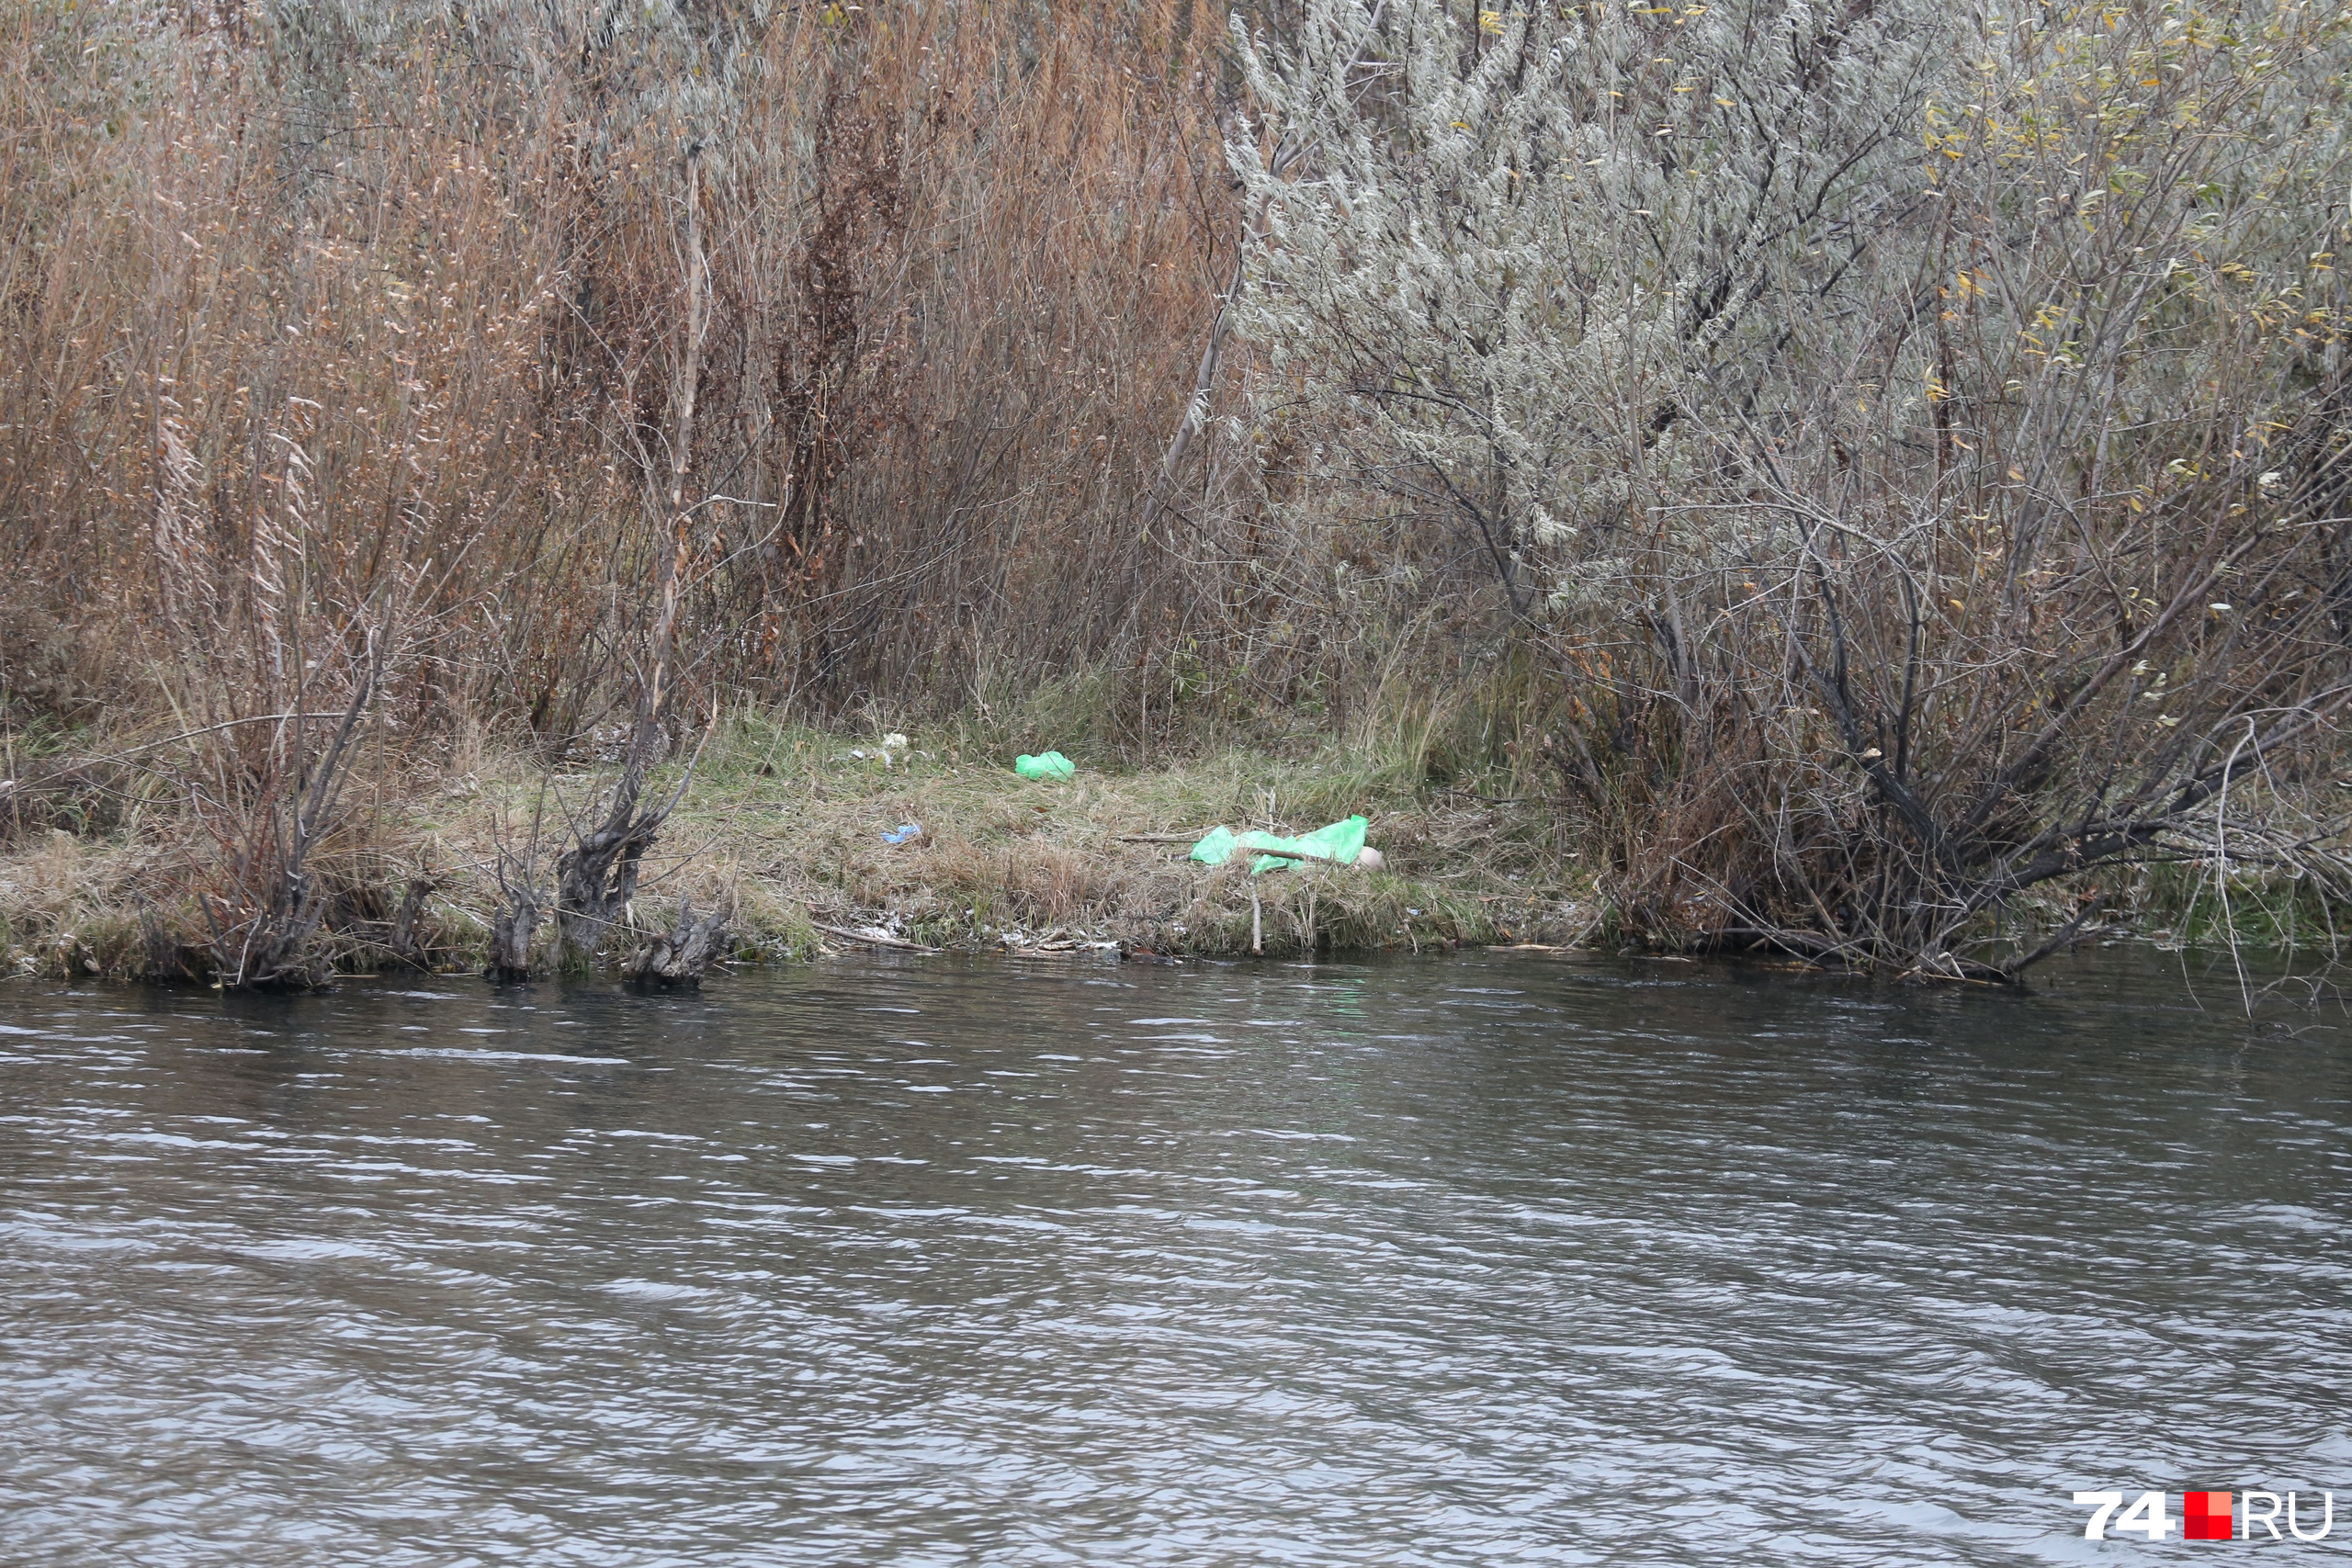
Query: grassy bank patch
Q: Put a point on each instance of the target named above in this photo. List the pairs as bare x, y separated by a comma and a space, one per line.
787, 826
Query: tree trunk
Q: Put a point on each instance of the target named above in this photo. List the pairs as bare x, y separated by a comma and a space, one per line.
511, 932
404, 944
681, 957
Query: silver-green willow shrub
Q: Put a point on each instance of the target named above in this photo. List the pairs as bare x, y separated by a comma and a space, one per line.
1913, 434
1524, 240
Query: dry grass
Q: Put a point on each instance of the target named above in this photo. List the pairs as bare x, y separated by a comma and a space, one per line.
295, 314
787, 824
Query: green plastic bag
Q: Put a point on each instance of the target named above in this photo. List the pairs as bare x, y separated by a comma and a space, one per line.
1338, 843
1051, 765
1216, 847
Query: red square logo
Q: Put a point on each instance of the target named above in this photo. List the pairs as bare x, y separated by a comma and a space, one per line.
2205, 1516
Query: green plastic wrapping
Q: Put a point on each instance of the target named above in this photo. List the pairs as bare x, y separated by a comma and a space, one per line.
1338, 843
1216, 846
1047, 765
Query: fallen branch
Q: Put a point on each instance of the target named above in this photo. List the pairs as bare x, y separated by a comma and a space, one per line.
2072, 931
874, 940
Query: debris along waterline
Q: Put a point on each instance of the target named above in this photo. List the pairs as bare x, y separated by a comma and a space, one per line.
793, 846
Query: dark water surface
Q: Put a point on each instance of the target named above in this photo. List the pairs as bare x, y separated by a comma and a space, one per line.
1471, 1261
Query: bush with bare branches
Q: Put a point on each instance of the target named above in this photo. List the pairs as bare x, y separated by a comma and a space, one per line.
1916, 438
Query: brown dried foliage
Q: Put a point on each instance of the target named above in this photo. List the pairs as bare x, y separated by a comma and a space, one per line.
294, 319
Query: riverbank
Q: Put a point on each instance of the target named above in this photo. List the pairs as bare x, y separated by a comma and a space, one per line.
786, 827
790, 829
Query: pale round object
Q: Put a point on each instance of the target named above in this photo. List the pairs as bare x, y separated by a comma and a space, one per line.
1371, 859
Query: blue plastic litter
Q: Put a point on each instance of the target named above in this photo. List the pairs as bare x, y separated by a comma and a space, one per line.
901, 833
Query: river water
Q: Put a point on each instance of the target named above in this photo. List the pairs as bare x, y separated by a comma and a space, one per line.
1483, 1260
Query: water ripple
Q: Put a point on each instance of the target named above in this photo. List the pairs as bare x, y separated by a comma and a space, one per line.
1473, 1262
